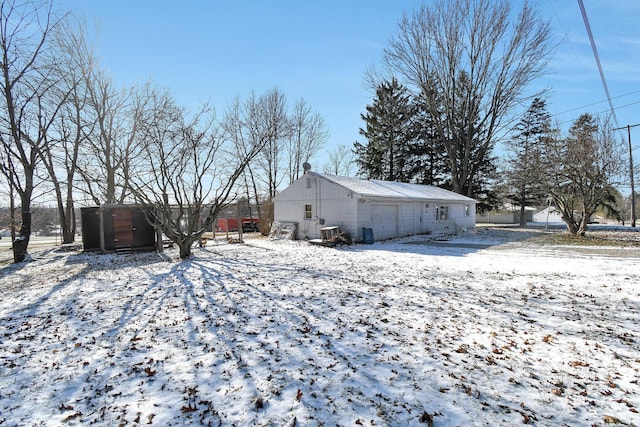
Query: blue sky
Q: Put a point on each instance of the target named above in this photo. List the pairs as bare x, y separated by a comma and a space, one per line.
217, 50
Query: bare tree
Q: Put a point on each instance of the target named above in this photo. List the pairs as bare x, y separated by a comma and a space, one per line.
260, 122
27, 81
60, 149
471, 65
185, 172
341, 161
582, 170
115, 115
272, 124
309, 134
243, 126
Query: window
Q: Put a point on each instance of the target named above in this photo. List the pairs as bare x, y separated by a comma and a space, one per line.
442, 213
307, 212
467, 211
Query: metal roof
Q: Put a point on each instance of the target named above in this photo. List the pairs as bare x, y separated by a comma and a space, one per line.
378, 188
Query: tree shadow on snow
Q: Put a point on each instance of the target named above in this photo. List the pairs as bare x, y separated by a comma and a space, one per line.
323, 341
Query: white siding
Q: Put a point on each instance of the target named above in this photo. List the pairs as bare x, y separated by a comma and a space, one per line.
428, 216
384, 221
498, 218
363, 217
331, 205
410, 219
337, 201
463, 219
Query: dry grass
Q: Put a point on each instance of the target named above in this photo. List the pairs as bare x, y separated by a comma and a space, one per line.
592, 238
560, 237
598, 238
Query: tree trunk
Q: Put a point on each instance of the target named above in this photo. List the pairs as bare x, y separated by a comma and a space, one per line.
185, 250
12, 209
69, 230
67, 223
68, 236
21, 242
186, 243
584, 223
67, 220
572, 225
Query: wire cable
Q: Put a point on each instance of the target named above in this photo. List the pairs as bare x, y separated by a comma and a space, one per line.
600, 102
597, 57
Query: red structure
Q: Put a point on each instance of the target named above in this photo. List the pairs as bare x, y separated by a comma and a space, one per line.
231, 224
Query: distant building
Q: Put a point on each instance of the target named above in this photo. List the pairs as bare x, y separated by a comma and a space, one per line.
508, 214
548, 215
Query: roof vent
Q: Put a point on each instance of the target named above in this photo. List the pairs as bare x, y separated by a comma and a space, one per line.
306, 166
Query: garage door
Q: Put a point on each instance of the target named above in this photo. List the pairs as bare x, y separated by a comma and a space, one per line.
384, 221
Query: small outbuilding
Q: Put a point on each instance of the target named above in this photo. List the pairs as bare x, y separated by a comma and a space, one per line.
387, 209
508, 214
116, 228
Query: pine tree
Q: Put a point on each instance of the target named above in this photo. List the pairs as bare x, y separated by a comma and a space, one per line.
427, 161
389, 134
525, 149
401, 140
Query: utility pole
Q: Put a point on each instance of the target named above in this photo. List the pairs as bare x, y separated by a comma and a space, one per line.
633, 191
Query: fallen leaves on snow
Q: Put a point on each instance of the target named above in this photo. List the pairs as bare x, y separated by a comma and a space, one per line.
287, 334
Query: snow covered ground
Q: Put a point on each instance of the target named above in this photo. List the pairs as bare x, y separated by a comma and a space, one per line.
479, 331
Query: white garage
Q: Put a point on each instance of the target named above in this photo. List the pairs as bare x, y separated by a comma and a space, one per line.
389, 209
384, 221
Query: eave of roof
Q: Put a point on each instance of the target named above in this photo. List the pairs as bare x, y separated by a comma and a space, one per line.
390, 189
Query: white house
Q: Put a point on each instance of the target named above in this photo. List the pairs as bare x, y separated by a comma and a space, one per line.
389, 209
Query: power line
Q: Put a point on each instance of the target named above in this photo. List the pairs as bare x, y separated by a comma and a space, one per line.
595, 54
600, 102
596, 113
622, 106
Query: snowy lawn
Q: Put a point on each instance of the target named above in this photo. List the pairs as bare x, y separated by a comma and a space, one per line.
285, 333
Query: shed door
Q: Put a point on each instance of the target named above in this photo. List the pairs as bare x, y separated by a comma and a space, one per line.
90, 228
384, 221
122, 228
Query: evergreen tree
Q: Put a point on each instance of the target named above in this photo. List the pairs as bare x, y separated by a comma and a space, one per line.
523, 159
481, 56
388, 132
427, 161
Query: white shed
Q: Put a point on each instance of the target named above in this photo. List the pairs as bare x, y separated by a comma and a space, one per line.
389, 209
